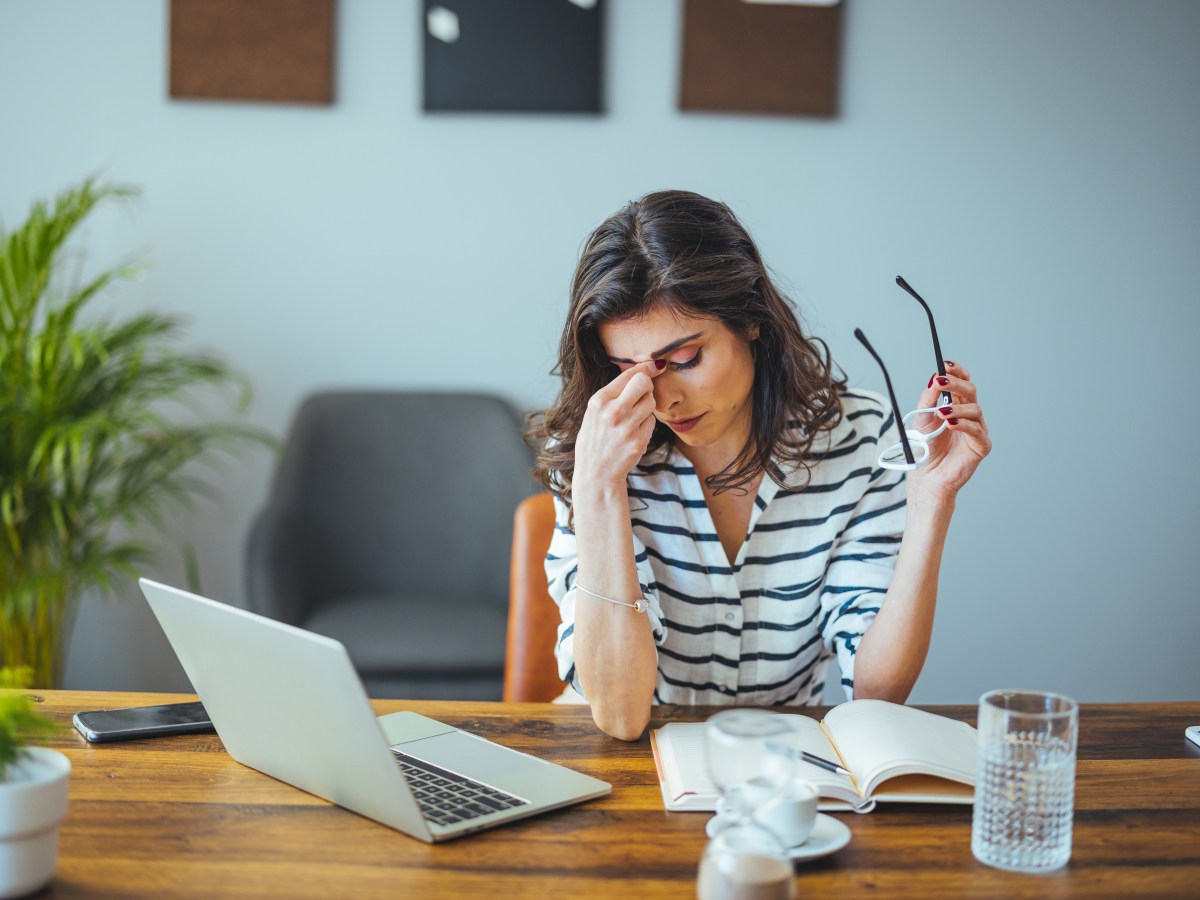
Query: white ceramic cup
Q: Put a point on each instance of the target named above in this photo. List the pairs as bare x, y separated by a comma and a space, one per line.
792, 814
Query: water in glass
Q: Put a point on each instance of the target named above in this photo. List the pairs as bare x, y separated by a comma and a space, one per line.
1024, 791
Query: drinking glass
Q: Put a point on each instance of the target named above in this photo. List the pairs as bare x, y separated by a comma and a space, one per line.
1025, 782
749, 763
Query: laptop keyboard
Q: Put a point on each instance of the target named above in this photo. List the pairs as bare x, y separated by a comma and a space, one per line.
447, 798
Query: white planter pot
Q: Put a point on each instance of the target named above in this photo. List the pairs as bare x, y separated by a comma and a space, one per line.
33, 800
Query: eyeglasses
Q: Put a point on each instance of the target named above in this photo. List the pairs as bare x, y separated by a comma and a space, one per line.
913, 449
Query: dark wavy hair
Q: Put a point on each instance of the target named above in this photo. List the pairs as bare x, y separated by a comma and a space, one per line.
686, 253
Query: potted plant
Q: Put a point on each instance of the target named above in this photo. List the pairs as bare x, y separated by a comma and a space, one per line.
98, 428
33, 792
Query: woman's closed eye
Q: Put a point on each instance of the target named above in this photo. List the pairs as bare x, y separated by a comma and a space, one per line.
679, 360
687, 363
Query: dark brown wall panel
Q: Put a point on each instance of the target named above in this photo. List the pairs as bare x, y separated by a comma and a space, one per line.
760, 57
266, 50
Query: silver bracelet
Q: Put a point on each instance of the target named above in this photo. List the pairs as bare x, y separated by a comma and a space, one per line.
639, 605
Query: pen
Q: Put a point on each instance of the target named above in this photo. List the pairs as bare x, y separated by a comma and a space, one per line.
823, 763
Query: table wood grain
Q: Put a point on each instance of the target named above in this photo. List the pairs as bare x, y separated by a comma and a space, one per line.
177, 816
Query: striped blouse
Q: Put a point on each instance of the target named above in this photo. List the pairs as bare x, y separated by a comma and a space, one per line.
810, 576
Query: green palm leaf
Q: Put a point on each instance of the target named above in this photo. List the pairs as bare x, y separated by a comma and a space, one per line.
101, 421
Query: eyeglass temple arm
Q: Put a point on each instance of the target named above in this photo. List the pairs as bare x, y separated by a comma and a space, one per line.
908, 454
937, 346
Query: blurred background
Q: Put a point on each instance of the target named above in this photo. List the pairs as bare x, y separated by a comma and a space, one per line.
1029, 167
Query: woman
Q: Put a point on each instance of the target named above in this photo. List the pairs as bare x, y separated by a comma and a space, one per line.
723, 528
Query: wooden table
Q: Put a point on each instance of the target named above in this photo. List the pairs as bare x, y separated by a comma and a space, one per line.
178, 816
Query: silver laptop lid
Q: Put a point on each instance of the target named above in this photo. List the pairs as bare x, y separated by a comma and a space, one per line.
302, 717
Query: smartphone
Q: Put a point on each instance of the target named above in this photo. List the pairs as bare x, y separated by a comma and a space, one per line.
142, 722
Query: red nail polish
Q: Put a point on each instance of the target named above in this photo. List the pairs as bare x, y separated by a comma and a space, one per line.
943, 381
660, 364
952, 421
949, 365
931, 377
946, 410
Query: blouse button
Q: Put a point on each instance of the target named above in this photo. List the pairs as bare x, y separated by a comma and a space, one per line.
729, 617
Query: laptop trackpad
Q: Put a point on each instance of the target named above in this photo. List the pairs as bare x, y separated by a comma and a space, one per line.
402, 727
480, 760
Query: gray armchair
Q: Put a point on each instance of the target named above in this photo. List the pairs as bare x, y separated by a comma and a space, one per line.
389, 528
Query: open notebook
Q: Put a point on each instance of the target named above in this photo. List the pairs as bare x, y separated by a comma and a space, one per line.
896, 753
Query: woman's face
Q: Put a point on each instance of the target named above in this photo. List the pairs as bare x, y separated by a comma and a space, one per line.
705, 394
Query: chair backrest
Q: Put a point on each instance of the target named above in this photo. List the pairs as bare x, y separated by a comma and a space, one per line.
393, 492
530, 668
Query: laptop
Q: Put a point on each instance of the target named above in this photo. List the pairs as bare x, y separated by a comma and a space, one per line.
289, 703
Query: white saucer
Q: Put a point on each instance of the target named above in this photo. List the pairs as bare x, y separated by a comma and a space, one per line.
828, 836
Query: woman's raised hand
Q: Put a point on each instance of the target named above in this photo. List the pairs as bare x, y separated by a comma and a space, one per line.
956, 452
616, 427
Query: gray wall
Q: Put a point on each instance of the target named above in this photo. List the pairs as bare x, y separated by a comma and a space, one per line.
1030, 166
